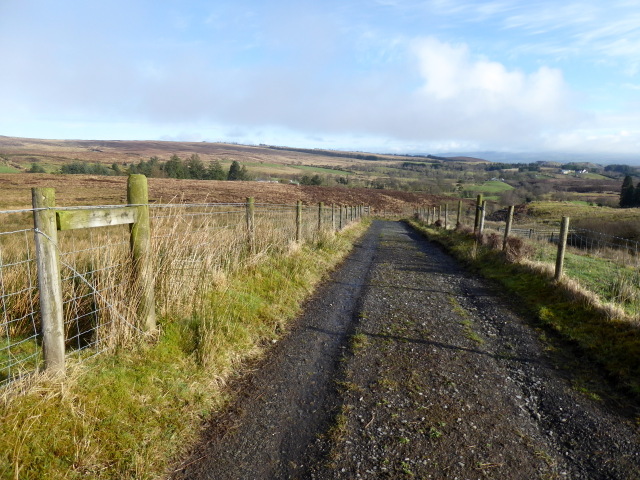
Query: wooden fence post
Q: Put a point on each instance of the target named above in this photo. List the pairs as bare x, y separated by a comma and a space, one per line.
320, 208
476, 223
140, 242
446, 215
507, 228
48, 265
562, 245
341, 208
483, 207
459, 217
251, 230
298, 221
333, 217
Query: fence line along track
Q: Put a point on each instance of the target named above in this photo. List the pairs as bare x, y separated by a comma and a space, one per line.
604, 264
102, 286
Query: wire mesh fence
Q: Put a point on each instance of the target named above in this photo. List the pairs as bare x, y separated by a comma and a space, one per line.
192, 247
94, 267
604, 264
20, 323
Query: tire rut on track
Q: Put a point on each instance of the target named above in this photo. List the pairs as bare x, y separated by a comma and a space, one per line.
442, 380
291, 396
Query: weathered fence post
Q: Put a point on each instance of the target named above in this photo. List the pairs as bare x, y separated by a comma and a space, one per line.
333, 217
48, 265
446, 215
251, 225
433, 215
140, 242
562, 245
341, 210
483, 207
459, 217
320, 208
298, 220
507, 228
476, 223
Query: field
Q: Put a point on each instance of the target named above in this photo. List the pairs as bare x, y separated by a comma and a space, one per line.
219, 301
95, 190
457, 177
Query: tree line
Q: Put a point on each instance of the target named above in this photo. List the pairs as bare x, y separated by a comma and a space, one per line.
191, 168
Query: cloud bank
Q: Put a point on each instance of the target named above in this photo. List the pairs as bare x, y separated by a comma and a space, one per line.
287, 74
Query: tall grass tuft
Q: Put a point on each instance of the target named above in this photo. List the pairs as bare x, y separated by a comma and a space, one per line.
220, 301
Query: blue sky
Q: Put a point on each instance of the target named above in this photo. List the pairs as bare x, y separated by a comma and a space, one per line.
376, 75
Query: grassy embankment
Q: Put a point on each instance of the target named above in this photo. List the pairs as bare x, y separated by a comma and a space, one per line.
605, 334
129, 414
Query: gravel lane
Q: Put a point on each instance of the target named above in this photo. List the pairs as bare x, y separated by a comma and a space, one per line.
441, 380
291, 395
445, 381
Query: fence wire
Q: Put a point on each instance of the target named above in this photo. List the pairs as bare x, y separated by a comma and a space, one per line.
605, 264
20, 351
194, 246
94, 267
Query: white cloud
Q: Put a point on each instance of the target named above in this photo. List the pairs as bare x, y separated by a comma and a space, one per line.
486, 91
303, 71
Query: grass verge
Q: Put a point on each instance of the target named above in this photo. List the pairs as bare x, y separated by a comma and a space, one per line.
127, 415
613, 342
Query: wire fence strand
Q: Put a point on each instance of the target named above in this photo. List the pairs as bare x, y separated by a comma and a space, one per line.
194, 246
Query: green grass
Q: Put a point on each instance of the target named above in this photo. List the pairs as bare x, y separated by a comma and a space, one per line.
8, 169
609, 280
322, 170
593, 176
21, 351
614, 343
492, 186
576, 210
130, 414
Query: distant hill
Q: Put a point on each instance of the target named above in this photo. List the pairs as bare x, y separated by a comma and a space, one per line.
464, 159
545, 156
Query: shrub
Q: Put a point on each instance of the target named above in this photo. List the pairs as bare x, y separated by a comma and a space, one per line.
517, 249
494, 240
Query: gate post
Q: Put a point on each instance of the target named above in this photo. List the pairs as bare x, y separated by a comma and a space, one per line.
48, 265
140, 241
562, 245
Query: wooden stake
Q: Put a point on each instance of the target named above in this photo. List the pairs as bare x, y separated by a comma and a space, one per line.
48, 265
507, 228
140, 241
562, 245
298, 221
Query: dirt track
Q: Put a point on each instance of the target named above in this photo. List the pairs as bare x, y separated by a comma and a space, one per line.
440, 379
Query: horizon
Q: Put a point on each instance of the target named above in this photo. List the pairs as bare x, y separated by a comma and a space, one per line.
490, 156
379, 76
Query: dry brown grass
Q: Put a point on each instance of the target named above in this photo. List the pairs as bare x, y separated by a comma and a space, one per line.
194, 249
98, 190
23, 151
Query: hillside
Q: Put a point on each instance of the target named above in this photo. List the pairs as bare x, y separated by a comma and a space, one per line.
460, 176
94, 190
20, 153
